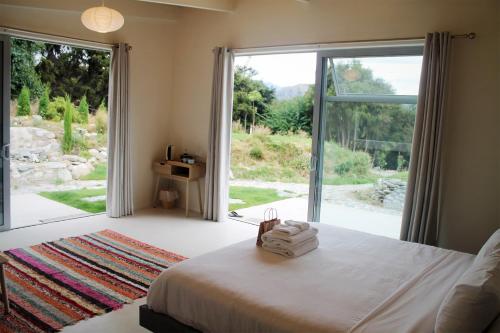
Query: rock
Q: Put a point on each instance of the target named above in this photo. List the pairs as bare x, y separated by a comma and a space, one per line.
91, 136
80, 171
55, 165
94, 152
391, 193
103, 156
64, 175
74, 158
35, 158
37, 120
24, 168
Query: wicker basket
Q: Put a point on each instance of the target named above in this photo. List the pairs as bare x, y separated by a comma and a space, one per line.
168, 204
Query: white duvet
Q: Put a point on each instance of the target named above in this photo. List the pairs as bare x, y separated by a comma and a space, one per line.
354, 282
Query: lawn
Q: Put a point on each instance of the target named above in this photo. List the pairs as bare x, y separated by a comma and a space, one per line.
286, 158
76, 198
100, 173
252, 196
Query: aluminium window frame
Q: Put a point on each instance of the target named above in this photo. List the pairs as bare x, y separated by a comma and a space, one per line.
321, 100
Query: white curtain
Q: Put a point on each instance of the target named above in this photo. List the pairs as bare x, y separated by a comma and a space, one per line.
217, 174
421, 213
119, 192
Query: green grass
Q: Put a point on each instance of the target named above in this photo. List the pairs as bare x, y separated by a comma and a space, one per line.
100, 173
74, 199
401, 175
252, 196
350, 180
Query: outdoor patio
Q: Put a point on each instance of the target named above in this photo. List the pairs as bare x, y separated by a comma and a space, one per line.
378, 221
29, 209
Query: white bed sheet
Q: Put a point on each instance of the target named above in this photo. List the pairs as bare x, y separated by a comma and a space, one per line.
354, 282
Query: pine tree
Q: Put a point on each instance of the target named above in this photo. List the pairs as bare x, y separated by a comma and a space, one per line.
67, 144
83, 111
43, 106
23, 102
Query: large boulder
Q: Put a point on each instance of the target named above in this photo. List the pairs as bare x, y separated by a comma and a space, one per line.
33, 144
81, 170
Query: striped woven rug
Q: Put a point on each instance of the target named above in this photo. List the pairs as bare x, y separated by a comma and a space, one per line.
55, 284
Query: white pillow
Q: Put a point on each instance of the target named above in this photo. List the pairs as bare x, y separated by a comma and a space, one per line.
474, 301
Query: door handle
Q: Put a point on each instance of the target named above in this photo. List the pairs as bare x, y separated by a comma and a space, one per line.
6, 152
314, 162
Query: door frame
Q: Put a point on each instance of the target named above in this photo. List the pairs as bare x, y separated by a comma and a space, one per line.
316, 171
5, 121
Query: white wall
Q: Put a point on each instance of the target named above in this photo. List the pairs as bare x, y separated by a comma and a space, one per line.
149, 29
472, 161
171, 73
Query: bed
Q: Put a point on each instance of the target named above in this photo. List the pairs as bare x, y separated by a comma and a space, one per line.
354, 282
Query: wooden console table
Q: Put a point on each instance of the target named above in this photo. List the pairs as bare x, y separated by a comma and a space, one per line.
179, 171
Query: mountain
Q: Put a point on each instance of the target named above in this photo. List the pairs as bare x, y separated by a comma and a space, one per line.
284, 93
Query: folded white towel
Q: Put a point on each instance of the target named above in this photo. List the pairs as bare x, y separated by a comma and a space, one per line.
270, 236
279, 243
301, 225
286, 229
293, 251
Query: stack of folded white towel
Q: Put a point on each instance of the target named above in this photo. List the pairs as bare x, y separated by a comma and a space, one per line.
291, 239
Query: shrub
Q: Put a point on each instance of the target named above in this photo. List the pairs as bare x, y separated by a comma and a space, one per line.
379, 159
79, 142
256, 153
83, 111
67, 144
356, 163
43, 106
238, 127
101, 119
56, 109
23, 103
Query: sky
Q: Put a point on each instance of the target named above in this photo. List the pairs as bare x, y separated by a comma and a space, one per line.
285, 70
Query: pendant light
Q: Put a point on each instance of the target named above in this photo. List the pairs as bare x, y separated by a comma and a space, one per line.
102, 19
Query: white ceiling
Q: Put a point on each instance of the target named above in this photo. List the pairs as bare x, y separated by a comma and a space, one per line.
217, 5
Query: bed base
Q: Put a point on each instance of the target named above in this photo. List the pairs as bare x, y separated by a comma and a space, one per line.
161, 323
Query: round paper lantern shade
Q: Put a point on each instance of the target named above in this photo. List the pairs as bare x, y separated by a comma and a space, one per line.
102, 19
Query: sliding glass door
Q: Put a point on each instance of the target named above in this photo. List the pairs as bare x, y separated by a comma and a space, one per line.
4, 132
363, 128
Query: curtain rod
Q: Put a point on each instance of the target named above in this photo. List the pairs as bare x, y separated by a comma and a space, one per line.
52, 38
309, 46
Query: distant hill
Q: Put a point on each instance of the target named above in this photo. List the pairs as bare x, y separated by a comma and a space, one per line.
284, 93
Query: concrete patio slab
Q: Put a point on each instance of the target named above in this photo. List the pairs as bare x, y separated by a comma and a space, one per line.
30, 208
376, 222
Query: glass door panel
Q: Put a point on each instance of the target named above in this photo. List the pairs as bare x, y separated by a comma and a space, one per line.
363, 129
4, 131
366, 153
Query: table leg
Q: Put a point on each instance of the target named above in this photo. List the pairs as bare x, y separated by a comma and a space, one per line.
199, 197
155, 194
187, 198
5, 296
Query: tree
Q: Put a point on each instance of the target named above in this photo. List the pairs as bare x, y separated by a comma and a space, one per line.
76, 72
67, 144
254, 97
292, 115
83, 111
43, 106
24, 56
23, 103
246, 101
